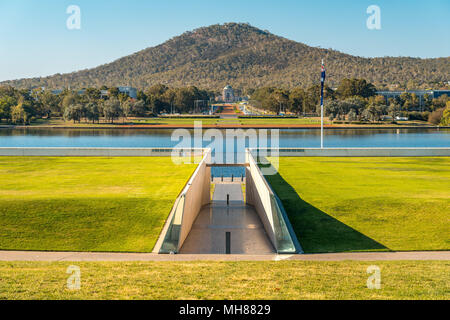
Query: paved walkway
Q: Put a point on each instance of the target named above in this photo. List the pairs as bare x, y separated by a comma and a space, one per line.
86, 256
247, 234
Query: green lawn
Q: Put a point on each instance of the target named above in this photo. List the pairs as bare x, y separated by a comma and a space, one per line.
86, 204
290, 121
226, 280
175, 121
136, 121
181, 121
366, 204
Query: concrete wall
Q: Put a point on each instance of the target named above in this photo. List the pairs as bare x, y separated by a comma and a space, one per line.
100, 152
197, 194
257, 195
271, 212
187, 206
355, 152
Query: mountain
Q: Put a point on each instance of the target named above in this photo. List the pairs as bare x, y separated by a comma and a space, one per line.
245, 57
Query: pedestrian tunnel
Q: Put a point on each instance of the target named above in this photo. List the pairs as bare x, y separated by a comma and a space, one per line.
233, 212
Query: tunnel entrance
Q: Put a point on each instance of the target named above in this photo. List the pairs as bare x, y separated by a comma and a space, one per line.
228, 225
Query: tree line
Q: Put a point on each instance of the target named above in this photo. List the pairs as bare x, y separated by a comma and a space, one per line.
352, 100
20, 106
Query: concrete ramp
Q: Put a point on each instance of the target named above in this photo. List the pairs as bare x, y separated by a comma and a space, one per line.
209, 231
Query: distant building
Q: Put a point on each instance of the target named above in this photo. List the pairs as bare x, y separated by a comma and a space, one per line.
130, 91
104, 93
228, 94
433, 94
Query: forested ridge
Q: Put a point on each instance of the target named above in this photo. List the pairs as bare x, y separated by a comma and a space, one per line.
247, 58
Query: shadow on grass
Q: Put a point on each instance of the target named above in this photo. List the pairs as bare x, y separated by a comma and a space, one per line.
316, 230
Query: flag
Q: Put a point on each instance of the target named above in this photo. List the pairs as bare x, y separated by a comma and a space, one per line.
322, 82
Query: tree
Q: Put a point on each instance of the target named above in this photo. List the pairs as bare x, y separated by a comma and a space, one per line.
51, 103
184, 100
427, 101
356, 87
169, 97
357, 104
312, 97
394, 110
156, 90
296, 97
332, 108
126, 107
73, 112
352, 116
111, 109
6, 103
441, 102
113, 92
281, 98
92, 112
18, 114
436, 116
445, 120
68, 98
92, 95
373, 112
139, 109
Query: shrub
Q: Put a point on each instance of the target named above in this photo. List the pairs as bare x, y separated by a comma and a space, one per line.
436, 116
422, 116
445, 121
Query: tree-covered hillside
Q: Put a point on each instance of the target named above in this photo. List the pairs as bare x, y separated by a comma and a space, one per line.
245, 57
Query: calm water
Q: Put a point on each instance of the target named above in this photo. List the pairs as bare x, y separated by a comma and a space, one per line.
301, 138
121, 138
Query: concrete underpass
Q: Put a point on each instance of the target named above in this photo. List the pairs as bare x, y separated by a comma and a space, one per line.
246, 231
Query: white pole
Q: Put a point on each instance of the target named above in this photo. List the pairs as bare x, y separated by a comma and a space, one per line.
321, 121
321, 126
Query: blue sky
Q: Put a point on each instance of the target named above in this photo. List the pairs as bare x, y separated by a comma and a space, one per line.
34, 39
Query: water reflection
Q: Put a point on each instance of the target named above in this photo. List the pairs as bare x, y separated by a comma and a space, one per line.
162, 138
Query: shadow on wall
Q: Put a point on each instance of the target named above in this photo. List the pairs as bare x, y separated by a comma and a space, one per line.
317, 231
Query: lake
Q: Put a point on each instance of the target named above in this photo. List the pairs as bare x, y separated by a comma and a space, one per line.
302, 138
288, 138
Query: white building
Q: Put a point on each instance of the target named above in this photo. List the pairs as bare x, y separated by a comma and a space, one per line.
228, 94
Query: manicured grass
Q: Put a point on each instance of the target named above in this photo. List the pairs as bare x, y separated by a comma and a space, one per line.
180, 121
225, 280
119, 122
290, 121
86, 204
175, 121
366, 204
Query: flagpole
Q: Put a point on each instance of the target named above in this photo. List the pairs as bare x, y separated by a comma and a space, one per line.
322, 80
321, 125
